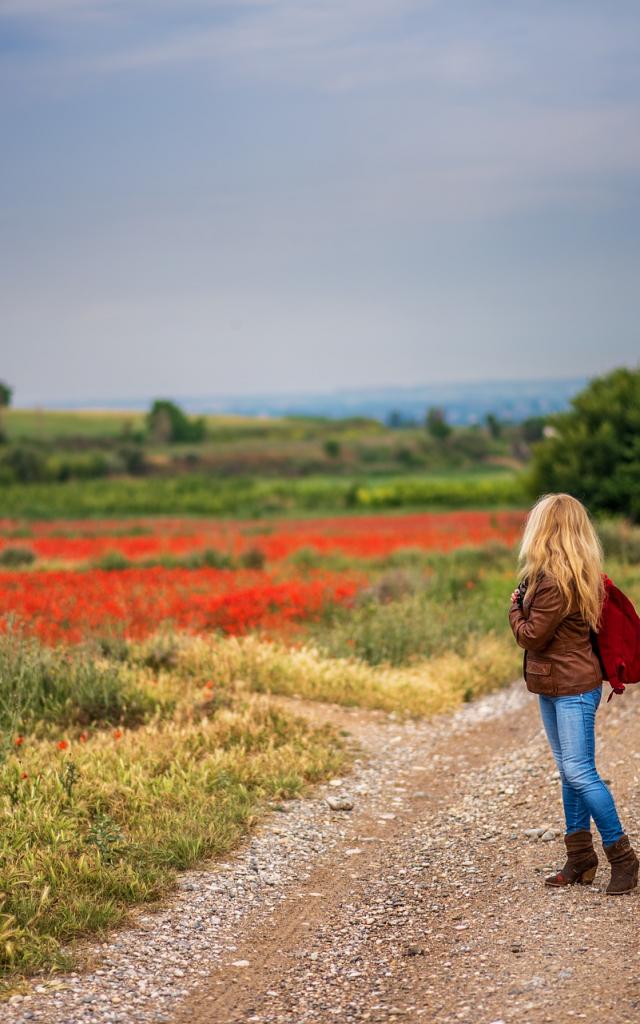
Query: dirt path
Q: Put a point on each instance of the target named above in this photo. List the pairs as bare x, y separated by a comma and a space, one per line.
440, 913
423, 902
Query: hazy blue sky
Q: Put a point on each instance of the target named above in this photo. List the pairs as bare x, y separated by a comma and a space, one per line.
201, 196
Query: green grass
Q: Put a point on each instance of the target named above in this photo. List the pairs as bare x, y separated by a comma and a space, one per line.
92, 829
44, 688
252, 497
418, 687
426, 606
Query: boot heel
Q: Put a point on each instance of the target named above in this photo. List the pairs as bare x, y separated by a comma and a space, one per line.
587, 877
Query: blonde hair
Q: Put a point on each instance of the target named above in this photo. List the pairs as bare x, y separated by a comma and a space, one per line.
560, 540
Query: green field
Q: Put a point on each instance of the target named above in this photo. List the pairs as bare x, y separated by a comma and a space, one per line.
52, 425
47, 425
56, 447
254, 497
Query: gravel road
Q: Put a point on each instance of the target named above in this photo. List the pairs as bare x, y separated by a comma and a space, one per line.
423, 901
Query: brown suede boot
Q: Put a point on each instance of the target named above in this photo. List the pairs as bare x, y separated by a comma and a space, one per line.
581, 864
624, 867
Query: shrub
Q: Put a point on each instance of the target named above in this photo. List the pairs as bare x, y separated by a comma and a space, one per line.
14, 556
26, 462
436, 424
408, 456
210, 558
332, 448
306, 558
392, 585
532, 429
160, 651
88, 466
469, 444
113, 561
253, 558
133, 459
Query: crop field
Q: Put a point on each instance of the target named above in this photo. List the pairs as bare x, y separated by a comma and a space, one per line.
252, 496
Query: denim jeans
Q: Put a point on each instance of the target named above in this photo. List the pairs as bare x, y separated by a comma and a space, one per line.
569, 723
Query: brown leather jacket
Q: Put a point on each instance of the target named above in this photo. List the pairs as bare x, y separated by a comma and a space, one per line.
558, 658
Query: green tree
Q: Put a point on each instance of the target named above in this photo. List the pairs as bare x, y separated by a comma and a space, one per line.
472, 444
167, 423
494, 425
25, 462
6, 394
594, 448
332, 448
532, 428
436, 423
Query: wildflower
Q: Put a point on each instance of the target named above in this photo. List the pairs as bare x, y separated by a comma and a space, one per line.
470, 584
117, 734
19, 740
209, 685
63, 744
24, 775
83, 737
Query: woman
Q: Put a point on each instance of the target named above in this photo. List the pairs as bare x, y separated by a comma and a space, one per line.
561, 580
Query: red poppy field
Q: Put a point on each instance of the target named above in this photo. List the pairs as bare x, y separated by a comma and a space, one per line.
64, 596
67, 606
361, 536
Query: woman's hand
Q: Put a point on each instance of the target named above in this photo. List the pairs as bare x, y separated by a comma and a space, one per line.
514, 596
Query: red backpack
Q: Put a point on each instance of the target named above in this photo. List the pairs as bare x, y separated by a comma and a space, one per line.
617, 642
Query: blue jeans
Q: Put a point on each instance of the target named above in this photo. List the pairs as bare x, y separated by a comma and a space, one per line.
569, 723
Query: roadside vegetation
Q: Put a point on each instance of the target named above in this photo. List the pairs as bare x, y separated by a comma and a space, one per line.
100, 818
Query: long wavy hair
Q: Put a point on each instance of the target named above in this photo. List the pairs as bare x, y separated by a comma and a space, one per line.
560, 540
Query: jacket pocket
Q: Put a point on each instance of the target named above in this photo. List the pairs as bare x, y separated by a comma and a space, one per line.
538, 668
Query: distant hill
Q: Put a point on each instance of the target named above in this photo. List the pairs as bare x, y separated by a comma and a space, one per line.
464, 403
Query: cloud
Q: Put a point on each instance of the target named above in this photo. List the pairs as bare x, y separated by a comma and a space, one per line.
338, 47
297, 39
24, 10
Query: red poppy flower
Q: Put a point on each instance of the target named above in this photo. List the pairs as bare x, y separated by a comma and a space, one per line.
83, 737
19, 741
117, 734
24, 775
63, 744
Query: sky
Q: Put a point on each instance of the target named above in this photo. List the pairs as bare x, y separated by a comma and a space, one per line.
207, 197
